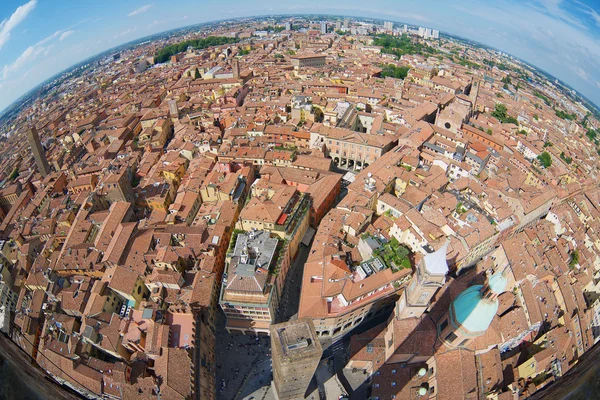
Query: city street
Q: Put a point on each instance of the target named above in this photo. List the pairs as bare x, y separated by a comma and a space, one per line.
290, 299
244, 362
236, 357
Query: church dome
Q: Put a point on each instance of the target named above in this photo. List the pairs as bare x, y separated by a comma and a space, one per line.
497, 283
472, 311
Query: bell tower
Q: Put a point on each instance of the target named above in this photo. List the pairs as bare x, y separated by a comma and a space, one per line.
429, 276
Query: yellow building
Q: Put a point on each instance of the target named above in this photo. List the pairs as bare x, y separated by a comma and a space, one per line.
127, 284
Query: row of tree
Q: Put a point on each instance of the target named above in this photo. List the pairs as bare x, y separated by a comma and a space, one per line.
565, 115
401, 45
164, 54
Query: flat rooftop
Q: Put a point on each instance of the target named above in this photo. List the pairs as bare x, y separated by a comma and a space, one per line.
296, 339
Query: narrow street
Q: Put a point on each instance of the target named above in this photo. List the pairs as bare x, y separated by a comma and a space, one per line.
290, 299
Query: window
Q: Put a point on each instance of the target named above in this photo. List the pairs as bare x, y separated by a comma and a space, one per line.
393, 383
369, 347
443, 325
393, 371
451, 337
464, 342
139, 289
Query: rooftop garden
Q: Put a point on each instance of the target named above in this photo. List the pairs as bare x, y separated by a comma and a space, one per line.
394, 255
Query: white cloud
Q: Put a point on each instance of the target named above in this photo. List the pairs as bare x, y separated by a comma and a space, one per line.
125, 32
553, 8
167, 21
140, 10
29, 55
15, 19
65, 35
589, 11
583, 74
49, 38
32, 53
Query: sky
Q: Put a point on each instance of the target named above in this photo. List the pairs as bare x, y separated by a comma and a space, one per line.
39, 38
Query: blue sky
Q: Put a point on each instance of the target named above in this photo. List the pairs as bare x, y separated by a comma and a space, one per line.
39, 38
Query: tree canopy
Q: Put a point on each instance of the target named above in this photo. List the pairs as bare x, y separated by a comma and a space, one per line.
395, 72
501, 114
164, 54
565, 115
545, 159
399, 46
591, 134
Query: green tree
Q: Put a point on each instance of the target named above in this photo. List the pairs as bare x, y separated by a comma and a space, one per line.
543, 97
164, 54
399, 46
319, 115
545, 159
591, 134
14, 174
500, 111
390, 70
536, 117
489, 131
565, 115
574, 258
566, 159
501, 114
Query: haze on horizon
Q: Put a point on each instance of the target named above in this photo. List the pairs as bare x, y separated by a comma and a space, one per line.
40, 38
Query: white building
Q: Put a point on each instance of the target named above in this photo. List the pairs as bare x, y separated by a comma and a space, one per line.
323, 28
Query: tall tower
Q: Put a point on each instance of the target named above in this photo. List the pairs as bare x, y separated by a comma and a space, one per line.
430, 275
323, 28
235, 66
472, 312
474, 94
38, 151
173, 110
296, 352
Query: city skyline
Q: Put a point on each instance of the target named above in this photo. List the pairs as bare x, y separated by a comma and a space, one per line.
296, 207
562, 41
